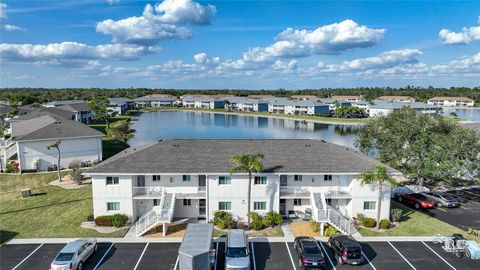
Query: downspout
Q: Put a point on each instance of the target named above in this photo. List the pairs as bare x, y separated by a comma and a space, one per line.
207, 199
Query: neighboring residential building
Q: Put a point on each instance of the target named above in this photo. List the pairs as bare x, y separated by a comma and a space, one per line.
190, 179
305, 97
246, 104
361, 104
120, 105
380, 108
203, 102
78, 112
81, 112
332, 103
59, 103
349, 98
30, 138
155, 102
298, 107
261, 96
396, 98
452, 101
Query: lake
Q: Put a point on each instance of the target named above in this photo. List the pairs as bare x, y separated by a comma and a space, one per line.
471, 114
154, 126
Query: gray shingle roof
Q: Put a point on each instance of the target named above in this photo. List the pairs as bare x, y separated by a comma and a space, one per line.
213, 156
149, 99
63, 102
77, 107
119, 101
53, 111
51, 127
379, 104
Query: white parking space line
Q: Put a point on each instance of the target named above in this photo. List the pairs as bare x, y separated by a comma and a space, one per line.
253, 255
401, 255
369, 262
141, 256
439, 256
216, 256
27, 257
291, 258
176, 264
103, 257
326, 254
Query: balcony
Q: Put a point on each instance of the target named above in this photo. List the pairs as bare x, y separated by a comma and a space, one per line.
337, 193
154, 192
294, 192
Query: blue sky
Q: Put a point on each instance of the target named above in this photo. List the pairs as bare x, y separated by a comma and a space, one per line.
239, 44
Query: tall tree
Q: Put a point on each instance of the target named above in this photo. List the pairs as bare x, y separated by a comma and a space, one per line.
422, 146
249, 163
99, 107
377, 175
56, 145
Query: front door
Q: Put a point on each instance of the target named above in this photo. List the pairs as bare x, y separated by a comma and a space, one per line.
202, 208
142, 208
140, 180
283, 207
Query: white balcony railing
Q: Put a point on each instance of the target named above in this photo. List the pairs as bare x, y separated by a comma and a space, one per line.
296, 192
181, 192
338, 193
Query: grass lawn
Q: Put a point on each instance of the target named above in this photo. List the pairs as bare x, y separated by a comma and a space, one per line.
267, 114
415, 223
52, 212
111, 146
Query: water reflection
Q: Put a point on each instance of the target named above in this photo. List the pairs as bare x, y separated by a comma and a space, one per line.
154, 126
471, 114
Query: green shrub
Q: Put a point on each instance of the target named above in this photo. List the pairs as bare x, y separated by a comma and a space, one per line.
396, 214
90, 217
272, 218
361, 218
223, 220
369, 222
119, 220
256, 221
384, 224
330, 231
11, 168
315, 226
104, 221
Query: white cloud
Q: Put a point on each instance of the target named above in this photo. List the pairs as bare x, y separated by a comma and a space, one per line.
464, 66
25, 77
185, 11
334, 38
285, 67
3, 11
9, 27
159, 23
69, 52
466, 36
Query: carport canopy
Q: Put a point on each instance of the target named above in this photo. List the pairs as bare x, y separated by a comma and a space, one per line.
194, 252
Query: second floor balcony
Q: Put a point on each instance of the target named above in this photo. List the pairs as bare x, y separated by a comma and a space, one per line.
155, 192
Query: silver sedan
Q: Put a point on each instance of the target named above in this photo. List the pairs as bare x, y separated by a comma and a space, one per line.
74, 254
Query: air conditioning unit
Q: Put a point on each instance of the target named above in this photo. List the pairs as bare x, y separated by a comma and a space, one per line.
36, 164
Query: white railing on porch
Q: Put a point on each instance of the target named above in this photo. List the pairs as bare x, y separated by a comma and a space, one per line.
338, 193
294, 191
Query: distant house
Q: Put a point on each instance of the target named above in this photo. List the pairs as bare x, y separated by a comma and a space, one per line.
349, 98
298, 107
246, 104
305, 97
396, 98
261, 96
59, 103
382, 108
30, 138
120, 105
203, 102
361, 104
452, 101
332, 103
155, 102
81, 112
78, 112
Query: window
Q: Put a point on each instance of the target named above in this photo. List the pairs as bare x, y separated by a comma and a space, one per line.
260, 206
297, 177
156, 178
260, 180
224, 180
156, 202
113, 206
187, 202
112, 180
187, 178
327, 177
225, 206
369, 205
297, 202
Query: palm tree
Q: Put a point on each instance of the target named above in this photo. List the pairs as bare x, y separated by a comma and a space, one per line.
249, 163
56, 145
377, 175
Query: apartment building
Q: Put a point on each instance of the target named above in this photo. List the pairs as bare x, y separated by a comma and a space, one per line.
452, 101
333, 103
349, 98
203, 102
396, 98
298, 107
382, 108
246, 104
120, 105
304, 97
155, 102
157, 183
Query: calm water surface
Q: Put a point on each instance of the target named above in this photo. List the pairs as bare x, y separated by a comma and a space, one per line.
471, 114
153, 126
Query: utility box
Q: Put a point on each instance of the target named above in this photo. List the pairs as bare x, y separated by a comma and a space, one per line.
26, 192
194, 252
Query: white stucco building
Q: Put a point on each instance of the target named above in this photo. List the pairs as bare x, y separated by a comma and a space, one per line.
30, 139
382, 108
452, 101
190, 179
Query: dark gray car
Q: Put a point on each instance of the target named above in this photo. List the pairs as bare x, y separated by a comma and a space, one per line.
442, 199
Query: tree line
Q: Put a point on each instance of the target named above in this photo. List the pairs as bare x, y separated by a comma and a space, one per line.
27, 96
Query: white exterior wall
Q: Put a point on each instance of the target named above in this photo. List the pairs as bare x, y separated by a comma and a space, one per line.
103, 193
451, 103
373, 112
72, 150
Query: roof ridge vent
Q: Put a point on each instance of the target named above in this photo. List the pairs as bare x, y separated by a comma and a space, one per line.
323, 141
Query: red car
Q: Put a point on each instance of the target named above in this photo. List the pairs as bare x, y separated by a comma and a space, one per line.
417, 200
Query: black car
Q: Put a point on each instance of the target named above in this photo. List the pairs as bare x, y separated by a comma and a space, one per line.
309, 252
347, 249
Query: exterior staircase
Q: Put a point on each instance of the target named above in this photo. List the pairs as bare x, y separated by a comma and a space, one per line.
161, 214
324, 213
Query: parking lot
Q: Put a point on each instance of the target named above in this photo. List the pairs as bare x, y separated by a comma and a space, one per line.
278, 255
464, 217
